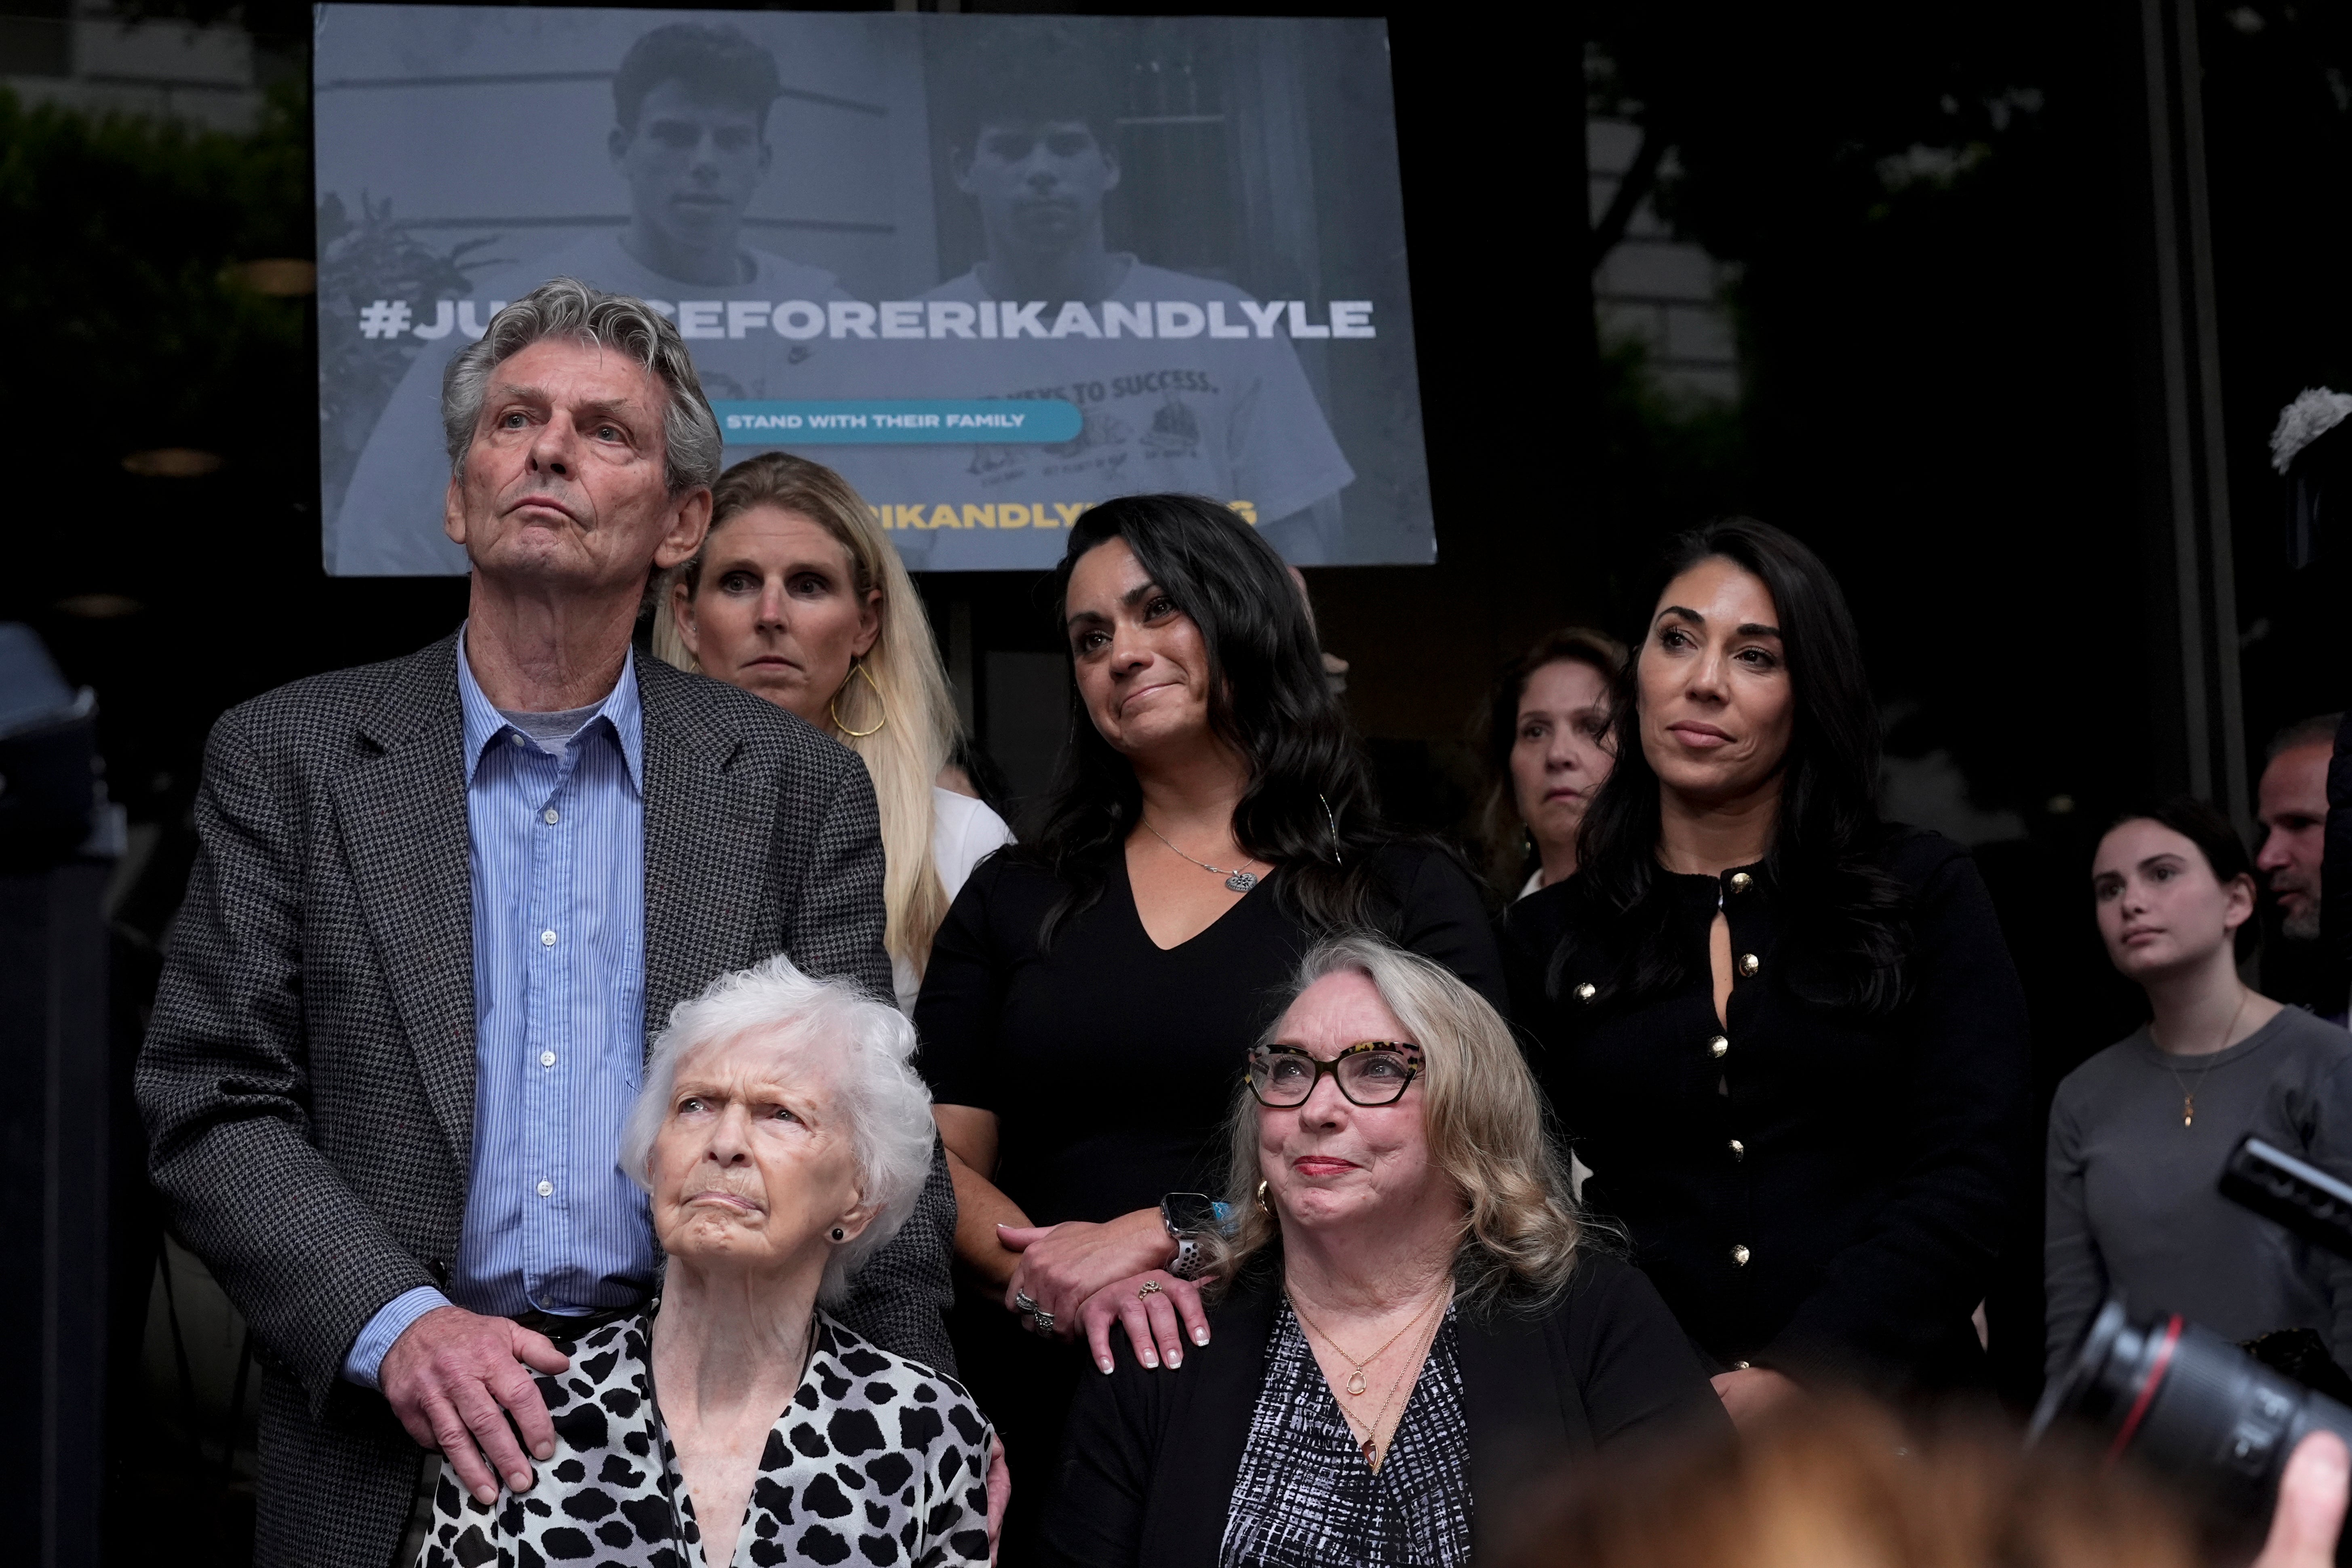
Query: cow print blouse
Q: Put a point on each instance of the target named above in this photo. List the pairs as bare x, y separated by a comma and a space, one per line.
876, 1460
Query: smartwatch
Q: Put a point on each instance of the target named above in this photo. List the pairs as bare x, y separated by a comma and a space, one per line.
1190, 1217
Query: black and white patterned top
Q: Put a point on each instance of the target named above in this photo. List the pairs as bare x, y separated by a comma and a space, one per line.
876, 1460
1305, 1496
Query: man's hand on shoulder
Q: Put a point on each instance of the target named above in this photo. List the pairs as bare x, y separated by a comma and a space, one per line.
454, 1377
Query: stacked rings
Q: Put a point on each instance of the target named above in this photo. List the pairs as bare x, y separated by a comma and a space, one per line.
1021, 1302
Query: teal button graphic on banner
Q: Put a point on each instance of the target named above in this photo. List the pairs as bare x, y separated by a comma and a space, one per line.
897, 420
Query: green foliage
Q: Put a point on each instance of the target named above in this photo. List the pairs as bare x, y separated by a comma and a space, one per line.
113, 297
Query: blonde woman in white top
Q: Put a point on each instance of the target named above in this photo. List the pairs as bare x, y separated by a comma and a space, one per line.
797, 596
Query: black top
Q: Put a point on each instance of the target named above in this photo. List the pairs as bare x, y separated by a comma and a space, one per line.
1152, 1459
1112, 1064
1826, 1194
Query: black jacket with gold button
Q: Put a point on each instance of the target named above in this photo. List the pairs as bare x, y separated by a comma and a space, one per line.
1812, 1189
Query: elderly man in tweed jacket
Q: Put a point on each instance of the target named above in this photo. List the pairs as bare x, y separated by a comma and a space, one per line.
440, 904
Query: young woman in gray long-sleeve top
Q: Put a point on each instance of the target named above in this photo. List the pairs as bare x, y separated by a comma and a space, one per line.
2138, 1133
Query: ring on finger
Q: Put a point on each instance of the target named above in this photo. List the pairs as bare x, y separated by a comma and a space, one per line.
1021, 1302
1148, 1287
1044, 1320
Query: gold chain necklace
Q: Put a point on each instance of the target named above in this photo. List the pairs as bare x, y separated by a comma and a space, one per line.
2188, 1096
1356, 1384
1369, 1446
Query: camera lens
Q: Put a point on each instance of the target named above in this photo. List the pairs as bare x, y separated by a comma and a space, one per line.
2188, 1404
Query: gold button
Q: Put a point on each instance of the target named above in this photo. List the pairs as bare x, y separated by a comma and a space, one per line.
1741, 882
1739, 1257
1717, 1046
1738, 1150
1749, 963
1587, 992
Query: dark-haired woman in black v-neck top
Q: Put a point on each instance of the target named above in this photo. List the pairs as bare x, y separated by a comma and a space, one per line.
1089, 999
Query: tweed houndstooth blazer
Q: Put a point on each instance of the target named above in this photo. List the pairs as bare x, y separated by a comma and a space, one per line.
308, 1075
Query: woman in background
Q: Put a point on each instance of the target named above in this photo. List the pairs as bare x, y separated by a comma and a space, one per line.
798, 596
2138, 1133
1786, 1036
1547, 755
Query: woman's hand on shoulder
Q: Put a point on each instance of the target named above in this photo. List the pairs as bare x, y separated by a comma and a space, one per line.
1159, 1312
1063, 1265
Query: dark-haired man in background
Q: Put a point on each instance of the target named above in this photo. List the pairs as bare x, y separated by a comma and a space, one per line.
690, 106
2290, 802
1233, 418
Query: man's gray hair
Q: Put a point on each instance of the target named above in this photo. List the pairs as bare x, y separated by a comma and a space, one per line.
867, 1050
692, 449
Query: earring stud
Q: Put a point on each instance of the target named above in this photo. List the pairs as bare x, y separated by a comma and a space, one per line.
840, 1233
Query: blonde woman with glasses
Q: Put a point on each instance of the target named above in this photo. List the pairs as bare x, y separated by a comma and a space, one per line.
798, 596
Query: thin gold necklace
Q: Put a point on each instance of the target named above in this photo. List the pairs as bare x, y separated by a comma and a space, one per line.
1369, 1446
1356, 1383
2188, 1096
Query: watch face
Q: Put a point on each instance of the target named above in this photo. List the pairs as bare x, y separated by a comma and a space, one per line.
1190, 1213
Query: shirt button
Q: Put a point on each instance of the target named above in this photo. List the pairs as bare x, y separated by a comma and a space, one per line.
1717, 1046
1741, 882
515, 737
547, 939
1740, 1366
546, 1058
551, 817
1749, 963
547, 1190
1738, 1150
1739, 1254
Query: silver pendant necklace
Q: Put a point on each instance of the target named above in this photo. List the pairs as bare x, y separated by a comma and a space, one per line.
1240, 881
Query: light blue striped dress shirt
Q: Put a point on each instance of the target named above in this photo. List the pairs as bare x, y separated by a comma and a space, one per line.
558, 860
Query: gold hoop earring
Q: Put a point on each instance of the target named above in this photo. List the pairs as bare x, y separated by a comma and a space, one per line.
857, 668
1261, 1199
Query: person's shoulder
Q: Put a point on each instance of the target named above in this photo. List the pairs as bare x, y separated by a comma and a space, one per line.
1916, 856
1145, 281
2091, 1082
790, 279
887, 1381
698, 710
2315, 1037
968, 824
317, 712
965, 285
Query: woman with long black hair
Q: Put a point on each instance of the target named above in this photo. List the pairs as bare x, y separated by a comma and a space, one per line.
1785, 1036
1092, 993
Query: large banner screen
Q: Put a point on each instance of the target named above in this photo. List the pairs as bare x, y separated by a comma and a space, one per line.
992, 269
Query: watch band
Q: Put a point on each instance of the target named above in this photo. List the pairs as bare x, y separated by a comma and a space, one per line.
1190, 1259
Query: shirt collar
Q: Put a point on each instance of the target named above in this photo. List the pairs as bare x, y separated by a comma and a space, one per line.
621, 710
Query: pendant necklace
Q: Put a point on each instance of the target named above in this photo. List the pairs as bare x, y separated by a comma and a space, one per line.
1369, 1446
2188, 1094
1240, 881
1356, 1384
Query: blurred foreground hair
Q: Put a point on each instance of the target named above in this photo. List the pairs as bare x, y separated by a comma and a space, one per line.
1843, 1485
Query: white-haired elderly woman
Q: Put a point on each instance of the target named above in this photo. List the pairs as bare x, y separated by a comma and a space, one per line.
782, 1136
1410, 1328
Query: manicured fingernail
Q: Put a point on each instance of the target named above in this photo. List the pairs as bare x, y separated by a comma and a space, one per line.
1175, 1358
1150, 1360
1200, 1336
1105, 1364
